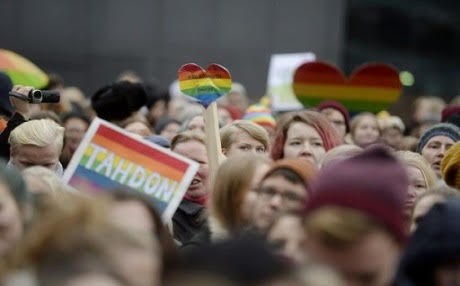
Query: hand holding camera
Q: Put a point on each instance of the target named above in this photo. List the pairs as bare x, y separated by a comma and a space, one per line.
22, 96
36, 95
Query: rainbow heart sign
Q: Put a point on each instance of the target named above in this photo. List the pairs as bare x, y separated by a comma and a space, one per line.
204, 86
371, 87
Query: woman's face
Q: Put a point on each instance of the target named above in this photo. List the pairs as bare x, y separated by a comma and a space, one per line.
75, 129
337, 119
303, 141
417, 187
250, 198
366, 131
11, 228
288, 238
435, 150
243, 144
196, 151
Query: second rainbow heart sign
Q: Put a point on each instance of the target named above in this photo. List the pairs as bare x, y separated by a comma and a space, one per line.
372, 87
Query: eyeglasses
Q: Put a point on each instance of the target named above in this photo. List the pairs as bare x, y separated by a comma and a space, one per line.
287, 196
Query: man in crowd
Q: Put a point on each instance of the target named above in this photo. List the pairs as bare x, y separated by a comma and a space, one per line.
354, 218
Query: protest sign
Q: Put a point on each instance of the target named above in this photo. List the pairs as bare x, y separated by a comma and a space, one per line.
279, 82
206, 86
372, 87
109, 158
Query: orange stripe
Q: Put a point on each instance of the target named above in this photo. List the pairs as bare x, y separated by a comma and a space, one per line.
138, 158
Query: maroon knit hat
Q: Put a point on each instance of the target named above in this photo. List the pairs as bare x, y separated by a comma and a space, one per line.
373, 182
448, 111
337, 106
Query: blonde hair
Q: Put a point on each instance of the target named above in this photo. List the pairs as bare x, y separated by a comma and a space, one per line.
228, 193
49, 178
41, 133
416, 160
188, 136
357, 119
229, 132
339, 227
391, 122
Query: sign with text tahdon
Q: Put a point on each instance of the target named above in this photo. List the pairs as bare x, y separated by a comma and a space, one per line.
109, 158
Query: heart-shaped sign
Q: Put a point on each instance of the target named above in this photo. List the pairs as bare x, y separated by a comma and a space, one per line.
371, 87
205, 86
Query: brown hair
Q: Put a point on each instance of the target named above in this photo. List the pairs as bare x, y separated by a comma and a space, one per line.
339, 227
188, 136
235, 177
69, 232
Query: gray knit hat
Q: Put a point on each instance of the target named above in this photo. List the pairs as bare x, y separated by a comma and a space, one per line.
441, 129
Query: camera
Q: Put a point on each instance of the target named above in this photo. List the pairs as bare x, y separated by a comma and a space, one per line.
39, 96
43, 96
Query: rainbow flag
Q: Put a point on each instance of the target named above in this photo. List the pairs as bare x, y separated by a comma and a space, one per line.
205, 86
109, 158
372, 87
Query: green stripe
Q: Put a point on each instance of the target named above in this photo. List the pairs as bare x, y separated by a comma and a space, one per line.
352, 105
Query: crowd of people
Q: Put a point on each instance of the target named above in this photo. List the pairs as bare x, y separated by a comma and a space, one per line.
319, 196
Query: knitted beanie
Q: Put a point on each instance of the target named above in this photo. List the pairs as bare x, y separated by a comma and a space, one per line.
436, 241
119, 100
260, 115
450, 166
451, 114
441, 129
339, 107
5, 87
373, 182
304, 169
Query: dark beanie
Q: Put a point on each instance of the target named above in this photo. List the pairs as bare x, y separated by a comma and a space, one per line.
373, 182
119, 100
441, 129
339, 107
5, 87
436, 241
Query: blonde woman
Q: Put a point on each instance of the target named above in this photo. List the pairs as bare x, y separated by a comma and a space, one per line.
234, 193
243, 136
421, 177
364, 129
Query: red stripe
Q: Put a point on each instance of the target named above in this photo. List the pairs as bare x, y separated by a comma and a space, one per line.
141, 148
319, 73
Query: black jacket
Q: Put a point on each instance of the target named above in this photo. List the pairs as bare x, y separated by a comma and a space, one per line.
15, 120
189, 219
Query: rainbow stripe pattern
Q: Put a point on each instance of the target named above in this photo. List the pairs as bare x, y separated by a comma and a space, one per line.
21, 70
260, 115
108, 159
371, 87
204, 86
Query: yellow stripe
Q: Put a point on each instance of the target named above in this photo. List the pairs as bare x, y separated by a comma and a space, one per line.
347, 92
194, 83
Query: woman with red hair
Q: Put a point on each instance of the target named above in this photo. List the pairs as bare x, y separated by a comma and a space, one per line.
304, 134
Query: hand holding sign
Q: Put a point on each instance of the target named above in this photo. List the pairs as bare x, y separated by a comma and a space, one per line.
371, 87
206, 86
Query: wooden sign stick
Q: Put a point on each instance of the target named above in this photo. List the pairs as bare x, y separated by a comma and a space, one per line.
213, 144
